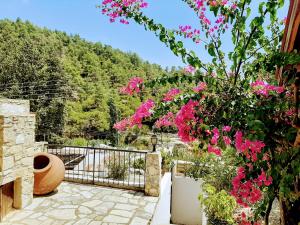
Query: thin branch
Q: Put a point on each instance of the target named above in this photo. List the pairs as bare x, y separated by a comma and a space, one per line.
219, 56
242, 13
262, 46
244, 50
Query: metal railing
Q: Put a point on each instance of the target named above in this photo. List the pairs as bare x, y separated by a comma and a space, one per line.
103, 166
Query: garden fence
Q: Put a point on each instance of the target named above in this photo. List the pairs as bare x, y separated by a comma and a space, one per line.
102, 166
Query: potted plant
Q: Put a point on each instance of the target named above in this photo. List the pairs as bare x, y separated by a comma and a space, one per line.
219, 206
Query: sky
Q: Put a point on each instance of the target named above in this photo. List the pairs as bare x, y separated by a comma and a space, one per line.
83, 18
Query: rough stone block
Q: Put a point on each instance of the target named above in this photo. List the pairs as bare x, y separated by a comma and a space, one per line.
17, 147
153, 174
14, 107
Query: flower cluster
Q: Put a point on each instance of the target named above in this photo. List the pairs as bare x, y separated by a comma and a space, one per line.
134, 86
185, 121
227, 140
214, 149
114, 9
122, 125
263, 179
220, 22
226, 129
243, 219
170, 95
263, 88
249, 148
215, 3
201, 87
247, 192
190, 69
188, 32
215, 137
142, 112
165, 121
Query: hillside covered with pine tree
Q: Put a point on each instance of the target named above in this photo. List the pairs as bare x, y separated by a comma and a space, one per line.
73, 84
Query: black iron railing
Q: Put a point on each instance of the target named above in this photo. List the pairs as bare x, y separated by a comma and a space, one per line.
103, 166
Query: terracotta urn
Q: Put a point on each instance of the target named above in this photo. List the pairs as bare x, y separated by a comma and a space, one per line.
49, 171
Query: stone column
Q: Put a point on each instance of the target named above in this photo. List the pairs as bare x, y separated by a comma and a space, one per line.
17, 144
153, 174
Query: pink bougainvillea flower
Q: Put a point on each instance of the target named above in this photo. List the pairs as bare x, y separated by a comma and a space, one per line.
263, 179
170, 95
189, 32
213, 3
215, 137
189, 69
114, 9
249, 148
224, 2
134, 86
124, 21
245, 192
227, 140
215, 150
142, 112
238, 140
226, 129
263, 88
122, 125
185, 121
165, 121
201, 87
208, 132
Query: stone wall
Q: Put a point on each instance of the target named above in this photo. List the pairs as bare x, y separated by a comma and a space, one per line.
14, 107
17, 147
153, 174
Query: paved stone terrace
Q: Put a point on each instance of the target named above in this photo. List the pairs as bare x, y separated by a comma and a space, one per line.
86, 205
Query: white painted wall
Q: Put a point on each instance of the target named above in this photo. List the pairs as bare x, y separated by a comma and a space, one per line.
186, 208
162, 213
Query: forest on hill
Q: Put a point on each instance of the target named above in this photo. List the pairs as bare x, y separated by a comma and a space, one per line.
72, 84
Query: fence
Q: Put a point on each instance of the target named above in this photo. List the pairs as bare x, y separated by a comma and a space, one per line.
103, 166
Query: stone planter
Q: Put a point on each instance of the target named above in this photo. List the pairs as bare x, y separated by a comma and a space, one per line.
49, 171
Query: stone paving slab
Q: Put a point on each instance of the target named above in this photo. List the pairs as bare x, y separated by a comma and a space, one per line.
81, 204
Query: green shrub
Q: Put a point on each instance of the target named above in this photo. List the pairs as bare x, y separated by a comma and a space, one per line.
117, 167
167, 160
139, 164
219, 206
77, 142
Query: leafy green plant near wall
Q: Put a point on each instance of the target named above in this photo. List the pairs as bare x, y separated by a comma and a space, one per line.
139, 164
219, 205
118, 168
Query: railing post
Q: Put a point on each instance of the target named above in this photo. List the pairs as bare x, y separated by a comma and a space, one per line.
94, 165
153, 174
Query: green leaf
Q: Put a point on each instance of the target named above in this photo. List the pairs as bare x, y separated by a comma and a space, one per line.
211, 49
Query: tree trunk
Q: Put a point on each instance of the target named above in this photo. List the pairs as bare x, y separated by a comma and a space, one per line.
289, 212
269, 211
